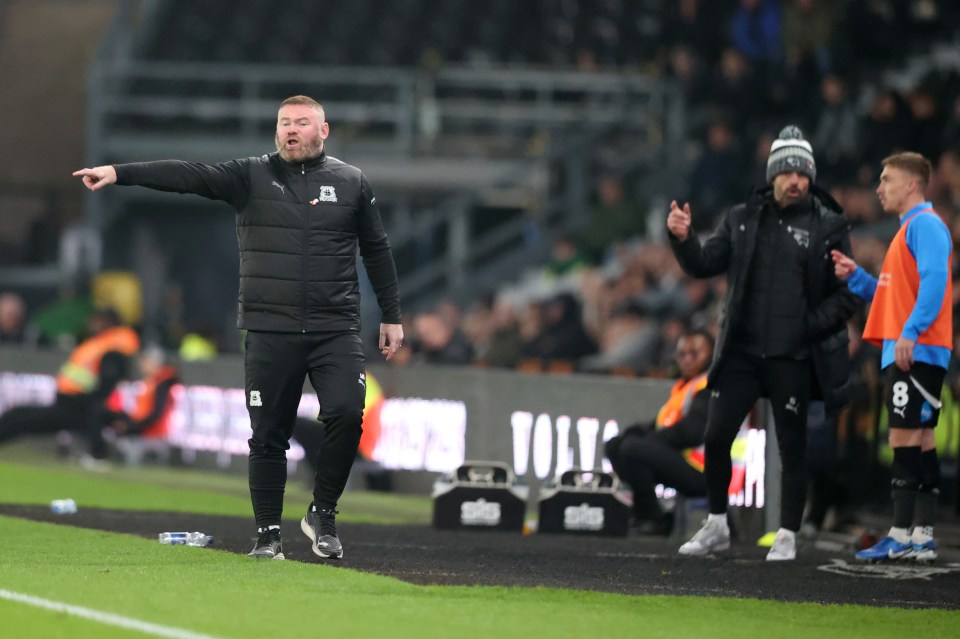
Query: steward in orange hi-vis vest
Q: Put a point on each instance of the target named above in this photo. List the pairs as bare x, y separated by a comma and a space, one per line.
676, 406
84, 384
896, 296
681, 395
151, 414
79, 375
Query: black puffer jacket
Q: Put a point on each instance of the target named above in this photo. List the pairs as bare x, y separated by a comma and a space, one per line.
830, 304
298, 228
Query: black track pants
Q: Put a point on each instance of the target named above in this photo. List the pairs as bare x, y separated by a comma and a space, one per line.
742, 380
276, 365
643, 461
80, 414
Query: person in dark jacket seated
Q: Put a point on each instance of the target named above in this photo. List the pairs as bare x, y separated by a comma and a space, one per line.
668, 450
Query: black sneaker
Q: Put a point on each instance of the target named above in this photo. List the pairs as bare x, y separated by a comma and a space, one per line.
321, 527
268, 546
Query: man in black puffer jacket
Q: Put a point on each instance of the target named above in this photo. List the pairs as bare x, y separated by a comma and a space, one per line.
783, 332
300, 217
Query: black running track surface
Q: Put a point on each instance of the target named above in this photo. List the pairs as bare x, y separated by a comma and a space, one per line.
629, 565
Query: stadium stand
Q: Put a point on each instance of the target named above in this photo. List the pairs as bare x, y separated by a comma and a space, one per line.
489, 130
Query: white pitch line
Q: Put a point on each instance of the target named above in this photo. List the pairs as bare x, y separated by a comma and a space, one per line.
107, 618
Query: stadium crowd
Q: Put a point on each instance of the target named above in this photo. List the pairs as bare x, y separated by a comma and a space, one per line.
612, 299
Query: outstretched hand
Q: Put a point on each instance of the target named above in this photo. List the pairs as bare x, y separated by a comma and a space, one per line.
843, 266
391, 339
97, 177
678, 221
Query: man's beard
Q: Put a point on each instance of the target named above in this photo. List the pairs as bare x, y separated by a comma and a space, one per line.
788, 198
306, 151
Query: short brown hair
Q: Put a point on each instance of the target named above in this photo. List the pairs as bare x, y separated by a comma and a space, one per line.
912, 163
305, 101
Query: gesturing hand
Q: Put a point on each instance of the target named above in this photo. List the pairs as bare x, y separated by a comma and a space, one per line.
843, 266
97, 177
678, 221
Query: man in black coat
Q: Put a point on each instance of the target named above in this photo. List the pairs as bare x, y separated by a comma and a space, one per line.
782, 333
301, 216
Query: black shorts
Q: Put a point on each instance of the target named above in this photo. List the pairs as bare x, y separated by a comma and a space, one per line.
909, 396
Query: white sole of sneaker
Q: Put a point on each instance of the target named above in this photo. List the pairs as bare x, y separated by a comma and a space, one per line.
701, 553
309, 532
780, 558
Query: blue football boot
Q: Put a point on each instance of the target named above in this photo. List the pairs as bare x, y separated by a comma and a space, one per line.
886, 548
925, 552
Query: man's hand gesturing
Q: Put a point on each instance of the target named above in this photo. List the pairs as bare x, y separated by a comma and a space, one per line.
678, 221
843, 266
97, 177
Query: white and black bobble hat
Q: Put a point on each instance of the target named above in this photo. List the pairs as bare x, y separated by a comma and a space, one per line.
790, 152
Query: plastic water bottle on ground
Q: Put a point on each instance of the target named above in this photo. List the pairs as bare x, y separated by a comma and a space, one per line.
185, 538
63, 506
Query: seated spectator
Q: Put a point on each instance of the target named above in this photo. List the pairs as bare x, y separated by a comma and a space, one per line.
615, 218
835, 133
671, 331
756, 29
437, 341
868, 28
808, 30
13, 313
927, 123
733, 79
561, 335
716, 181
65, 322
504, 347
885, 130
491, 325
648, 454
628, 343
951, 128
565, 257
686, 70
146, 428
946, 194
693, 24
